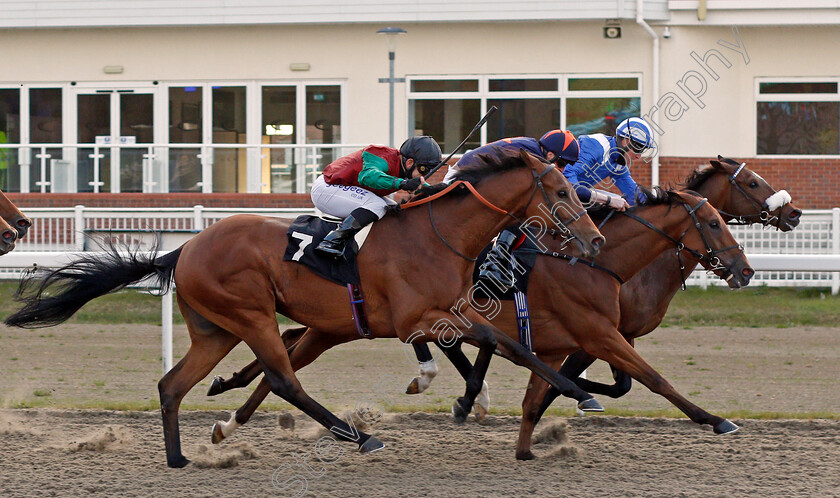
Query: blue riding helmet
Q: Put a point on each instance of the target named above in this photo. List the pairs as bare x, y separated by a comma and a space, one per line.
563, 144
638, 131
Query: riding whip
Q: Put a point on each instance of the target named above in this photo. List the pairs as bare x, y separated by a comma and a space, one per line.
475, 129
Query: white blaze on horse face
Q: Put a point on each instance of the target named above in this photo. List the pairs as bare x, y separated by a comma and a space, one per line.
229, 426
777, 200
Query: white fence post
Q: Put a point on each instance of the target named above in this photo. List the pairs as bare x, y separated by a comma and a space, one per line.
198, 219
79, 227
835, 244
166, 329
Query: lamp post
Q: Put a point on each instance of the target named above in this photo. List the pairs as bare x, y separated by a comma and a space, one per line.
391, 33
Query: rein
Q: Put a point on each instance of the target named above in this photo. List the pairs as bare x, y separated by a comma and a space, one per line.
538, 184
711, 254
572, 261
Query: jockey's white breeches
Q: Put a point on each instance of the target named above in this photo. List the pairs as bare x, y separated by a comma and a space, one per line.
341, 200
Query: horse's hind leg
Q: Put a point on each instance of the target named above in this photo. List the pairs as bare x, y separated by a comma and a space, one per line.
609, 345
210, 344
303, 352
253, 370
580, 361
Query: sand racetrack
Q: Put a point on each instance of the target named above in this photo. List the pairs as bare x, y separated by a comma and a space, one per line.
54, 450
64, 453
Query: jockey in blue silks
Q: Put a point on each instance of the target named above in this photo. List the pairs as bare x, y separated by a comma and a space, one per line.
602, 158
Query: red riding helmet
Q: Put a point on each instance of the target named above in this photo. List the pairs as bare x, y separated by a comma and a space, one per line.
563, 144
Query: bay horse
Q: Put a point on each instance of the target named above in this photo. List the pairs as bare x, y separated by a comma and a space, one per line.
13, 224
232, 279
584, 314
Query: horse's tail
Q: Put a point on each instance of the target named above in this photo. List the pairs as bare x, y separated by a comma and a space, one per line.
51, 297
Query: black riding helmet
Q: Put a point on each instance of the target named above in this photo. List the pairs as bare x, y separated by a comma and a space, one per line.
424, 150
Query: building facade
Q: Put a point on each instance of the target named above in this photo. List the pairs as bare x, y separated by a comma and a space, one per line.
164, 103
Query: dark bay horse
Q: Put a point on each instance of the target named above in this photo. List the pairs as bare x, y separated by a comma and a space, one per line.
584, 313
13, 224
232, 279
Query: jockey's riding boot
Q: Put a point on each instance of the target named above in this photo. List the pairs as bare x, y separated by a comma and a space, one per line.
335, 241
500, 254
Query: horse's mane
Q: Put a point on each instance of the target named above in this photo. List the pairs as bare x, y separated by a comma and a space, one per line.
702, 173
656, 196
495, 160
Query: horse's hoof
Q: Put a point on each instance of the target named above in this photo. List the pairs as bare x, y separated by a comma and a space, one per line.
590, 405
726, 427
215, 386
371, 445
178, 462
218, 435
458, 412
525, 455
413, 386
480, 412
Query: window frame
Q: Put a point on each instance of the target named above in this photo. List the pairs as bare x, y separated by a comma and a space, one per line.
484, 94
790, 97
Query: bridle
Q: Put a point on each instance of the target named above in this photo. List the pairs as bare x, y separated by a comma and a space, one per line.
538, 185
762, 215
710, 258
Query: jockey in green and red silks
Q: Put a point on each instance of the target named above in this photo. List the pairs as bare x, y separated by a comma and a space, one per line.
354, 187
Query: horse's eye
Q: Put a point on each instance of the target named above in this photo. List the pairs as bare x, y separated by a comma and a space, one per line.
561, 193
714, 224
753, 184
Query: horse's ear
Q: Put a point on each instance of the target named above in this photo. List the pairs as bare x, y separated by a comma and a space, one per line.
716, 164
721, 158
524, 155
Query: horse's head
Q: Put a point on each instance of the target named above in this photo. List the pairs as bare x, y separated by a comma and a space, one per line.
557, 205
8, 235
709, 240
751, 199
12, 215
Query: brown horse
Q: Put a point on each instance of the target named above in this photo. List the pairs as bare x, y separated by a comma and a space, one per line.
13, 224
232, 279
585, 313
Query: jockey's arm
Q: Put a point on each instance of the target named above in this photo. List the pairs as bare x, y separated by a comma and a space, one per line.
374, 173
628, 187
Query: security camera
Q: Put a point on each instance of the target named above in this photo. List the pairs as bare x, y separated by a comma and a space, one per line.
667, 32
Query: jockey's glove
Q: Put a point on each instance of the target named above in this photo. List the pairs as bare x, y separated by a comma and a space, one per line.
411, 184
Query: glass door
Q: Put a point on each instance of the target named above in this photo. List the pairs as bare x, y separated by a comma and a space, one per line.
111, 127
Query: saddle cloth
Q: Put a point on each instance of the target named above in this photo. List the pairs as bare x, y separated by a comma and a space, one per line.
306, 232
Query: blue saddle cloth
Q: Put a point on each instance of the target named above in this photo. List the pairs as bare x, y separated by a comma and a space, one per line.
305, 233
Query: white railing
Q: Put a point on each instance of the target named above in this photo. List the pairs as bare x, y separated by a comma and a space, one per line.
817, 239
166, 167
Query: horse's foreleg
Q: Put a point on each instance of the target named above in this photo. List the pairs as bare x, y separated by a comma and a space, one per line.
531, 411
485, 337
609, 345
516, 353
428, 369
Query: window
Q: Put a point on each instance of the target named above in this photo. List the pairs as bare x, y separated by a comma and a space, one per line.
9, 134
798, 118
448, 107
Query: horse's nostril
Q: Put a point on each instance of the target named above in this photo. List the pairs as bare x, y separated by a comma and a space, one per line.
24, 223
598, 242
8, 235
795, 214
748, 272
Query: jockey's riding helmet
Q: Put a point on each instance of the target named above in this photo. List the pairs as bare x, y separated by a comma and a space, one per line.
563, 144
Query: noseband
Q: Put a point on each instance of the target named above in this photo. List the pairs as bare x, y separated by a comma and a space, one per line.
763, 216
713, 261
